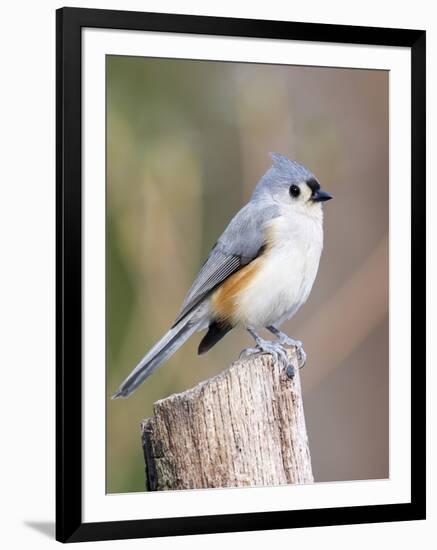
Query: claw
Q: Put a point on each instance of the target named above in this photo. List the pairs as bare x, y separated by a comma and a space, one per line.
301, 356
289, 371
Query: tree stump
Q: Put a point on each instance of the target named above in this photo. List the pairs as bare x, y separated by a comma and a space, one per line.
244, 427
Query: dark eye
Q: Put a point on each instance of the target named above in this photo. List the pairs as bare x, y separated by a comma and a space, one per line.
294, 191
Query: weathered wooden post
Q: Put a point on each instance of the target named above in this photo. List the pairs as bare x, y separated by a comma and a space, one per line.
244, 427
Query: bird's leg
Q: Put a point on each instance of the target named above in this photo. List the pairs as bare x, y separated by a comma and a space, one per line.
287, 341
284, 338
251, 351
274, 348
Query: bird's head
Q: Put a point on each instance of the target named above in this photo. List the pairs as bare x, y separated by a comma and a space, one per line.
291, 185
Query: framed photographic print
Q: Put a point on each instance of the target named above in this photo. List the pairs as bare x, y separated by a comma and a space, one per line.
236, 200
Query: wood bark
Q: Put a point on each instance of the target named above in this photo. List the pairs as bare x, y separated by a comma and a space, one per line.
244, 427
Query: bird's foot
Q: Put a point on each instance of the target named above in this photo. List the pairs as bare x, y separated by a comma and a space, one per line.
248, 351
279, 354
285, 340
275, 349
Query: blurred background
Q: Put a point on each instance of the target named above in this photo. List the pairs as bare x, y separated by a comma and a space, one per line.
186, 143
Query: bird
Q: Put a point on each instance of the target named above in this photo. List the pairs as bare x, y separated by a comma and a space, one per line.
257, 275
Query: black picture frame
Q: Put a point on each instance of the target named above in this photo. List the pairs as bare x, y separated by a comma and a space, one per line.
69, 24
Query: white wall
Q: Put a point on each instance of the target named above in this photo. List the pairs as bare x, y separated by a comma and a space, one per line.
27, 126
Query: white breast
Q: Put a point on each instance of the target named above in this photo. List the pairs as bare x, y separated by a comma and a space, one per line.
287, 271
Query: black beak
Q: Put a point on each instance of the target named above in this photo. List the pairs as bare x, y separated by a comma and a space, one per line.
320, 196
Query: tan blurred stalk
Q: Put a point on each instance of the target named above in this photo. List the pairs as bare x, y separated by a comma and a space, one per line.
348, 316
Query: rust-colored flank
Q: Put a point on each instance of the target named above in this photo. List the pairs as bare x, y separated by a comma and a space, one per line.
225, 298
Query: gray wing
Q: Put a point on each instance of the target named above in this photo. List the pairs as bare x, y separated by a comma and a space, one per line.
239, 244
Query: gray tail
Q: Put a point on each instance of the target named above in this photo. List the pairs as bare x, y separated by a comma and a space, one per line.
160, 352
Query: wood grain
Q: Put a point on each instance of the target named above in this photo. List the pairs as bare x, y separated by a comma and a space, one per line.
244, 427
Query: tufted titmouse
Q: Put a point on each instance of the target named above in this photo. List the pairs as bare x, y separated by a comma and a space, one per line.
258, 274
